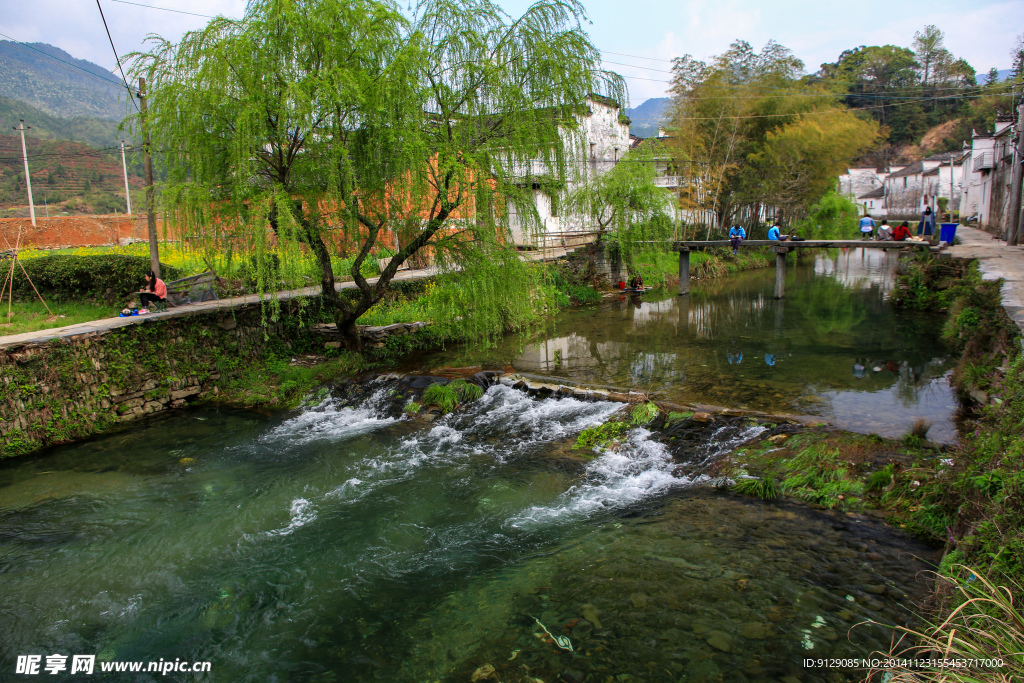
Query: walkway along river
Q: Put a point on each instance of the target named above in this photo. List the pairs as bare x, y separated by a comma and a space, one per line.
347, 542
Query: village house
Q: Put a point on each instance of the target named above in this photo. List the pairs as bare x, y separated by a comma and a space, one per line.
987, 183
911, 188
599, 143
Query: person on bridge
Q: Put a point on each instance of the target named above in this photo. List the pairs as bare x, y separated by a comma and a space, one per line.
775, 233
884, 232
902, 232
736, 235
927, 222
867, 227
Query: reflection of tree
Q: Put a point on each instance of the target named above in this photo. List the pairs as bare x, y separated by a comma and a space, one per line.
828, 308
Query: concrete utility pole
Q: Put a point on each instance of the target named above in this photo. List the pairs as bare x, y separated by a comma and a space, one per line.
147, 155
124, 165
1013, 216
21, 128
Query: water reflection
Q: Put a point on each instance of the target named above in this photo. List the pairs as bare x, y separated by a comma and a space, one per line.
834, 347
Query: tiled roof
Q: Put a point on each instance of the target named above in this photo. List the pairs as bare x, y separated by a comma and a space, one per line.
876, 193
913, 169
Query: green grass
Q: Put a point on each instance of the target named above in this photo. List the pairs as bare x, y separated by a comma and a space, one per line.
441, 396
765, 489
601, 435
32, 316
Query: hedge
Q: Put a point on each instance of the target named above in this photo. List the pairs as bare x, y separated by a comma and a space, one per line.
104, 276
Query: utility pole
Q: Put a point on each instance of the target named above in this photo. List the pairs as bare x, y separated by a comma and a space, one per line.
1013, 216
147, 156
21, 128
124, 165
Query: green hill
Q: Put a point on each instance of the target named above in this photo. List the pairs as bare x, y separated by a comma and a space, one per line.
93, 131
50, 79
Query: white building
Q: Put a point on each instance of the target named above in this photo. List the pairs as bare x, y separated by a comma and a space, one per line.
598, 144
911, 188
987, 182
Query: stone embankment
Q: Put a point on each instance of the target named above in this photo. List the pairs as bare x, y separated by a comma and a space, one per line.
71, 388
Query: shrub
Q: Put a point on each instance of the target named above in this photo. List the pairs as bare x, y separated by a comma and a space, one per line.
63, 276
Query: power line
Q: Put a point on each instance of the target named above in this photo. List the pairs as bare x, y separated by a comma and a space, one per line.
165, 9
119, 67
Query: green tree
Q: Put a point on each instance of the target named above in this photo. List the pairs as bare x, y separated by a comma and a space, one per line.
749, 130
86, 186
625, 204
342, 124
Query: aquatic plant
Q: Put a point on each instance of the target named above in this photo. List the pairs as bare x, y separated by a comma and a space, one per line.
643, 413
442, 396
674, 417
765, 489
412, 407
466, 391
984, 623
600, 435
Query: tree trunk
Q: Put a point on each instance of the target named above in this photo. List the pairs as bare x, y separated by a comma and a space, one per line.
348, 330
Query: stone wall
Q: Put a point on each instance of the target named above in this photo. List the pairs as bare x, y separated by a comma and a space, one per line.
70, 389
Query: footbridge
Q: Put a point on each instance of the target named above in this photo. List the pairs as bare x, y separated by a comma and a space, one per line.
781, 249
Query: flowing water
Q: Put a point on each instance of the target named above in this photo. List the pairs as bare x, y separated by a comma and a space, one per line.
347, 542
833, 347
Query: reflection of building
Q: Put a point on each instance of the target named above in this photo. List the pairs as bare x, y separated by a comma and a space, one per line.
860, 268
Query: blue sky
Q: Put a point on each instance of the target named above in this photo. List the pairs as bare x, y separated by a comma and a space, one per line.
650, 31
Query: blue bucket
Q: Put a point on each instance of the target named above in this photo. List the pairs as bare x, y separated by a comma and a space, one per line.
947, 232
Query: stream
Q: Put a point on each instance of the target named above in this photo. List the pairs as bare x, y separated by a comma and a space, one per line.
345, 541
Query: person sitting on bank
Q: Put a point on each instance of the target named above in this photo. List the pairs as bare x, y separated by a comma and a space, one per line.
884, 232
736, 235
775, 233
637, 282
153, 292
867, 227
902, 232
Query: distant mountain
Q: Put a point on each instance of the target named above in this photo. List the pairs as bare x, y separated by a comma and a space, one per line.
91, 130
55, 82
647, 117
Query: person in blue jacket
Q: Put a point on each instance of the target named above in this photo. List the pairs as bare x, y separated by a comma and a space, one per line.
736, 235
867, 227
775, 233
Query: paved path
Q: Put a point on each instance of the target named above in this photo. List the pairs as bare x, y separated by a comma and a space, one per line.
107, 324
996, 260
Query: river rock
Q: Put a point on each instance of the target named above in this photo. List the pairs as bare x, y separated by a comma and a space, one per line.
702, 417
590, 614
719, 641
845, 614
484, 673
876, 589
572, 676
755, 631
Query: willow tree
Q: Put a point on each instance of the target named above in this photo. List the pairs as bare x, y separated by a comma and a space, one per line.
318, 124
624, 205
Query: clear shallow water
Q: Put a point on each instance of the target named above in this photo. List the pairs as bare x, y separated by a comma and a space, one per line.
345, 543
833, 347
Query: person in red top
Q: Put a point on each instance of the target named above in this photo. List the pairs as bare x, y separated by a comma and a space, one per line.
902, 232
156, 292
